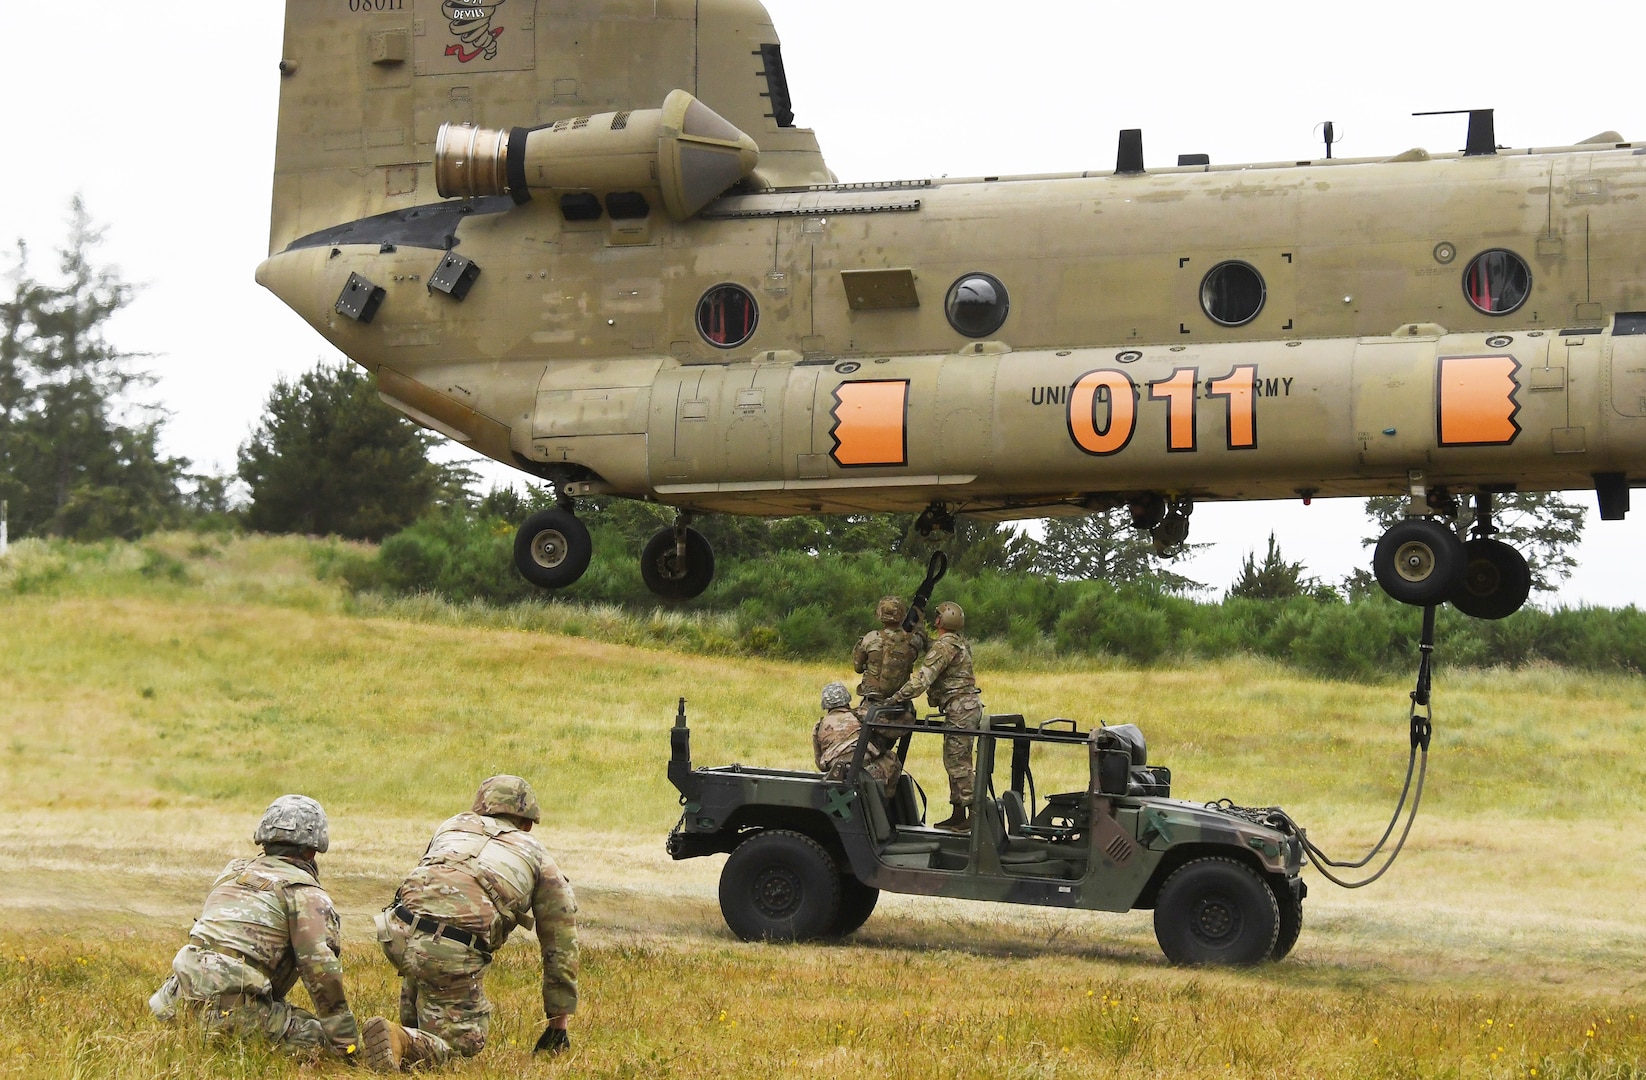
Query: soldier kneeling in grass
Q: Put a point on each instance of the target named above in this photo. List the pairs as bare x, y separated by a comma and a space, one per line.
267, 923
481, 876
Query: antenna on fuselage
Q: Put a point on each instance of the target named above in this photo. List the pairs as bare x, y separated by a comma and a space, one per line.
1482, 141
1129, 158
1328, 131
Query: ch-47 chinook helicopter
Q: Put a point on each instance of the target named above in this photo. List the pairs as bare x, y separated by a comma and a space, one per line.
585, 238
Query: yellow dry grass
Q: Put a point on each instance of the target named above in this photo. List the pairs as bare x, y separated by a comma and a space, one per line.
150, 708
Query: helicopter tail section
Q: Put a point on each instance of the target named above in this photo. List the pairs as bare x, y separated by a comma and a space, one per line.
367, 84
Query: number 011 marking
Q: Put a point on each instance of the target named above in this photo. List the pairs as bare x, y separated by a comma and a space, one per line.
1103, 409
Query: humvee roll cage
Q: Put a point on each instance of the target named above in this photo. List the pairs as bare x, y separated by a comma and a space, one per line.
809, 855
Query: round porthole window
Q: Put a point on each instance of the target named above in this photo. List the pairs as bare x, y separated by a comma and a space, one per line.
1497, 282
1232, 293
977, 305
727, 316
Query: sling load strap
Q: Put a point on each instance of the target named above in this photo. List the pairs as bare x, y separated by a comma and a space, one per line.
1421, 727
936, 567
1421, 730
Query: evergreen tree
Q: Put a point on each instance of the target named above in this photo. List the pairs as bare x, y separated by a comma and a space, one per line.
1105, 546
329, 458
1542, 525
1276, 579
77, 457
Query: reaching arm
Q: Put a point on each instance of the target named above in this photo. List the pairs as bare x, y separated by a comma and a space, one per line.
316, 941
554, 907
937, 658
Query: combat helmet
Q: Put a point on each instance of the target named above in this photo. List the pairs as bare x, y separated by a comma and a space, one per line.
950, 617
507, 795
836, 696
293, 819
890, 610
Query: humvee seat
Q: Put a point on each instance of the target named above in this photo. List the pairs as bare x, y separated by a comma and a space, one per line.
880, 825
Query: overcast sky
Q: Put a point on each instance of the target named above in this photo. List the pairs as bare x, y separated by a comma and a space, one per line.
164, 122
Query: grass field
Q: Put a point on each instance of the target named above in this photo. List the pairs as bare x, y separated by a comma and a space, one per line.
154, 698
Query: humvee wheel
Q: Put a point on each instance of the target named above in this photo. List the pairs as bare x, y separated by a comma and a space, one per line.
1291, 921
666, 575
857, 902
1496, 580
780, 886
1419, 562
1216, 911
552, 549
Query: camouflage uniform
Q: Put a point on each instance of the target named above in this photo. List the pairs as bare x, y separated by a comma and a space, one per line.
481, 876
945, 676
884, 657
266, 924
834, 741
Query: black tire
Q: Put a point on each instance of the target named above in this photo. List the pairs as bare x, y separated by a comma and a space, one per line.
780, 886
1419, 562
1496, 580
1216, 911
552, 549
857, 902
660, 565
1291, 920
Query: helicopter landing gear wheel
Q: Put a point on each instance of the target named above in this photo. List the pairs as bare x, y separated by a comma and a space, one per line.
1419, 562
677, 563
552, 549
1496, 580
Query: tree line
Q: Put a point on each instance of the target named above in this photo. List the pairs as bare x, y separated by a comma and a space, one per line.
80, 459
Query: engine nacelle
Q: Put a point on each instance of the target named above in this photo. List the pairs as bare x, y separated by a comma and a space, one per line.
685, 152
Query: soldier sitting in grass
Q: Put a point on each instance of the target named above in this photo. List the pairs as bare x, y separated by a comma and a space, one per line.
481, 876
834, 741
266, 924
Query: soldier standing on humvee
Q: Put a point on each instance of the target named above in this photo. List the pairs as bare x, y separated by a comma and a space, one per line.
945, 674
266, 924
834, 742
481, 876
884, 657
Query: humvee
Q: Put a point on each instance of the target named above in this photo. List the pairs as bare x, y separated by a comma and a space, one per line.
809, 856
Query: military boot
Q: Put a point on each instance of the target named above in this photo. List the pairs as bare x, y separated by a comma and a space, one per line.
956, 822
387, 1044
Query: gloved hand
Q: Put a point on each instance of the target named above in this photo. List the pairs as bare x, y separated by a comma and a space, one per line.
554, 1040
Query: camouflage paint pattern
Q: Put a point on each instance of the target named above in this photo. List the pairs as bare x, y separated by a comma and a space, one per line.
442, 990
1124, 848
945, 677
834, 741
266, 924
884, 658
483, 875
966, 714
505, 794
